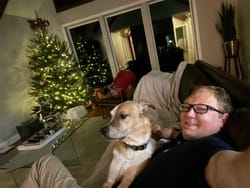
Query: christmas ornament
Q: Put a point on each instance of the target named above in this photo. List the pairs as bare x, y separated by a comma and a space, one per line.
38, 23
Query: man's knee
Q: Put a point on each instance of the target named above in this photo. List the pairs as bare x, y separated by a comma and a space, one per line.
48, 159
48, 162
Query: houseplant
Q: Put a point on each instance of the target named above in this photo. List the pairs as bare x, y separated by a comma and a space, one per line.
226, 27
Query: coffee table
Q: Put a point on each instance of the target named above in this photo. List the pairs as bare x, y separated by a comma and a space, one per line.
19, 158
23, 155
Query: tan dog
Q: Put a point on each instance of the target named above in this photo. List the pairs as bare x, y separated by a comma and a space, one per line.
131, 131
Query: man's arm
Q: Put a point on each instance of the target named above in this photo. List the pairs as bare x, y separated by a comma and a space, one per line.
229, 169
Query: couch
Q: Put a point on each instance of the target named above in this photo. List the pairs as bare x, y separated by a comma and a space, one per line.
237, 129
202, 73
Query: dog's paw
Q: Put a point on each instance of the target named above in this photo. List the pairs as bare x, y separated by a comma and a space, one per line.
107, 185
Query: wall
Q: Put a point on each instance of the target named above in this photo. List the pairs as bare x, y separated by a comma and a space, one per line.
210, 42
14, 37
14, 98
244, 34
93, 8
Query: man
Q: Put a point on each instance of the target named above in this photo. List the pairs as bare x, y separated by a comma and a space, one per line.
197, 157
182, 162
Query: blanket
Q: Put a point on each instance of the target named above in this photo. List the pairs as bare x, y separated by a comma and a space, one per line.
161, 89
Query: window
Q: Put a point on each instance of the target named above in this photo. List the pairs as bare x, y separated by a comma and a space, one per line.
91, 53
171, 32
129, 42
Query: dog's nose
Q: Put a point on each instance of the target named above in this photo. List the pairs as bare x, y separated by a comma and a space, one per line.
104, 130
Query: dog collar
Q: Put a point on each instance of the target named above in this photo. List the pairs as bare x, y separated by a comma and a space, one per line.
138, 148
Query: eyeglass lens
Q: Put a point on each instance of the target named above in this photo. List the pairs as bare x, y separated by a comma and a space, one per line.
198, 108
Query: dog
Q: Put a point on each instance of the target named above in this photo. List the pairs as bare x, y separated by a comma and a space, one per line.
131, 130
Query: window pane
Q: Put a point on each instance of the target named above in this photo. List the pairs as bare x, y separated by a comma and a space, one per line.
129, 42
88, 43
173, 34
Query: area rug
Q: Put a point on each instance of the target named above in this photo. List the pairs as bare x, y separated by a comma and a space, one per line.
82, 151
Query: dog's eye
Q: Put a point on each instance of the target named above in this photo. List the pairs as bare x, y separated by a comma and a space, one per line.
123, 116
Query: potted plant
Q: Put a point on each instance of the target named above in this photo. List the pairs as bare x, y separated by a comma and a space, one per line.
226, 27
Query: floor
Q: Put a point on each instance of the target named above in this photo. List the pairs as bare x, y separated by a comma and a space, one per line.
80, 164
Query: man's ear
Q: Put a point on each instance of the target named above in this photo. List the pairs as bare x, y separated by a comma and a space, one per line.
225, 118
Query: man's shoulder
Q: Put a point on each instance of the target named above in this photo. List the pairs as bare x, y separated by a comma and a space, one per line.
214, 143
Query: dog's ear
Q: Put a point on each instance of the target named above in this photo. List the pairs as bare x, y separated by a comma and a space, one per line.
144, 106
113, 111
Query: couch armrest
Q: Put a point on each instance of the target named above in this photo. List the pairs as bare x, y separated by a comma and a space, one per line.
191, 78
239, 90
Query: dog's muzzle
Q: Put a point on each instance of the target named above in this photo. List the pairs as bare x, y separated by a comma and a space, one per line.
112, 133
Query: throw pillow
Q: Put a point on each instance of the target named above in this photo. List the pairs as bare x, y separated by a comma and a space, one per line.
237, 128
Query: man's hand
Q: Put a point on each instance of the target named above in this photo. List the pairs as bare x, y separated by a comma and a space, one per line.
167, 133
229, 169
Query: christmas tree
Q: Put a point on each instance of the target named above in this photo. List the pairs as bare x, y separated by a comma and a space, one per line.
96, 69
57, 81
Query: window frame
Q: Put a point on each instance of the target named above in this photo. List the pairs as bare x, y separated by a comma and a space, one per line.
102, 18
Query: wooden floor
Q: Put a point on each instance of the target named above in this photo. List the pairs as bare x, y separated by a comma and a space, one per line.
80, 153
94, 111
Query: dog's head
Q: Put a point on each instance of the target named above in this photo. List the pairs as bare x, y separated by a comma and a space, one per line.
128, 122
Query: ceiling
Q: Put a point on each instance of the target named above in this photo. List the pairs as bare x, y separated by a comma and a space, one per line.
9, 6
62, 5
23, 9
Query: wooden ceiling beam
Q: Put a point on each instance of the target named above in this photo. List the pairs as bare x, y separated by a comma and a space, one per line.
3, 4
62, 5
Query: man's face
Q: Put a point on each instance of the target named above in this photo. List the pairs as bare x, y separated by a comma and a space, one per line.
196, 125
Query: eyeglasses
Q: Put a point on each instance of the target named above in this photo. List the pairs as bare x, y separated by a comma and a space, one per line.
198, 108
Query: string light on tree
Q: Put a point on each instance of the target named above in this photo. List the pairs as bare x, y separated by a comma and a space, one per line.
56, 76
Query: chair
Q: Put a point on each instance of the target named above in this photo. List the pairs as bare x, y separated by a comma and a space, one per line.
112, 101
119, 90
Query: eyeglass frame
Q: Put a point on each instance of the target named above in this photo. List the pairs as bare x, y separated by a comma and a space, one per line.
208, 107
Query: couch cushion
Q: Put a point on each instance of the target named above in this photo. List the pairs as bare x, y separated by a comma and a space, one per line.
237, 128
191, 78
238, 90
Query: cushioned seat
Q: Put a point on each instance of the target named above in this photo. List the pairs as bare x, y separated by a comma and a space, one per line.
107, 100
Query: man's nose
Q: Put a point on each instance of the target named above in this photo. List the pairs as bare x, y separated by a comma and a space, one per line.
191, 112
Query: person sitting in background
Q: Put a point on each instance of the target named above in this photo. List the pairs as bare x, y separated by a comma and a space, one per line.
122, 81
